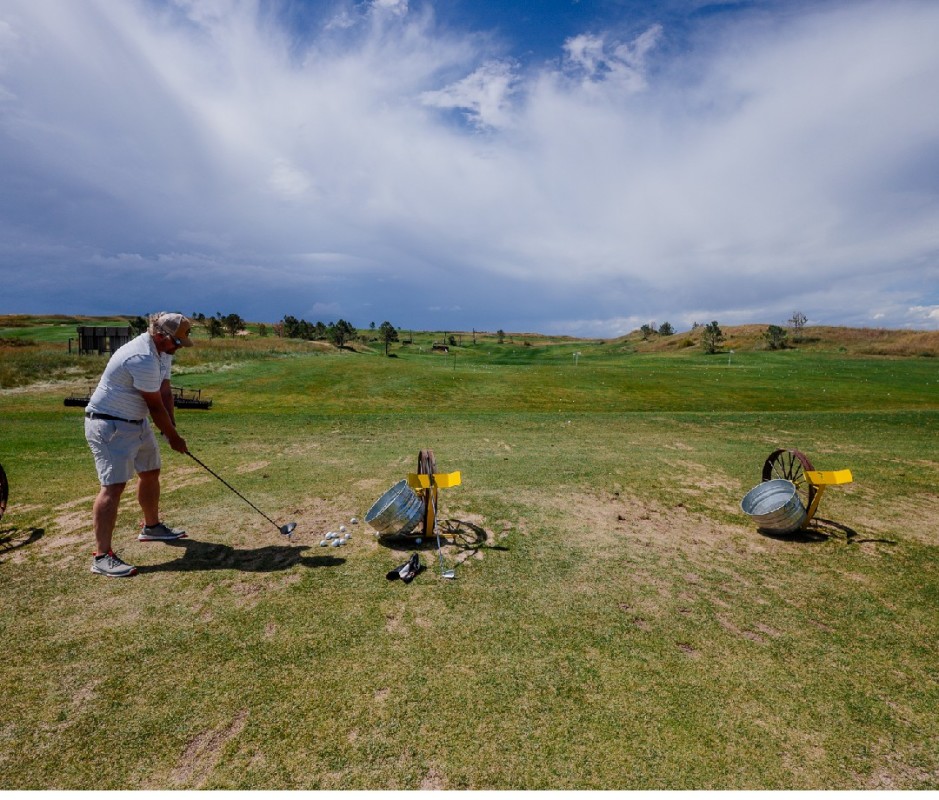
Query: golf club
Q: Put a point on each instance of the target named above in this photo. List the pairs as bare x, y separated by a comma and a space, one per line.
286, 530
4, 491
443, 573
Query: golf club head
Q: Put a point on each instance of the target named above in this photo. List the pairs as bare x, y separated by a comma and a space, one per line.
287, 530
448, 574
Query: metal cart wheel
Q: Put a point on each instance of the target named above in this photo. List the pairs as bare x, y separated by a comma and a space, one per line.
427, 465
4, 491
791, 465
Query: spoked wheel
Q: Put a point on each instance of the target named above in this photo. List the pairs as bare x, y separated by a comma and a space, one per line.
427, 465
791, 465
4, 491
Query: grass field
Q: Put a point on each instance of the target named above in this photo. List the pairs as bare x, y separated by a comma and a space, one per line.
616, 621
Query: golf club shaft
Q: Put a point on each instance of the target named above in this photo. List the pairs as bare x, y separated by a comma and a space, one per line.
436, 531
207, 469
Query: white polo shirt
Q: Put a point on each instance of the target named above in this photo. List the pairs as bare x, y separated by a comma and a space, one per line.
134, 368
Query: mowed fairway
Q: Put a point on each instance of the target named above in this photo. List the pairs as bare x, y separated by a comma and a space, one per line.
616, 622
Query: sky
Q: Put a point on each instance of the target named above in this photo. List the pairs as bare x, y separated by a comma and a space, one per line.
567, 167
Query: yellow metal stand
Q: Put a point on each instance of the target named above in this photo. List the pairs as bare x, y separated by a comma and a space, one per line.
820, 480
426, 481
426, 486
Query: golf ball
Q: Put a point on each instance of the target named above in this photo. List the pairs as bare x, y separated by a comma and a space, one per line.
354, 520
336, 543
323, 543
342, 529
330, 535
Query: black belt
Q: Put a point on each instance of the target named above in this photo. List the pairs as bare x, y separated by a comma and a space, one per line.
96, 415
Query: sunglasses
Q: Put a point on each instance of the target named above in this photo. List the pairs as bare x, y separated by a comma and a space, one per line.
178, 342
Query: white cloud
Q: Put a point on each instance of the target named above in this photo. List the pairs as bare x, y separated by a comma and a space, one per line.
622, 65
769, 168
288, 181
485, 95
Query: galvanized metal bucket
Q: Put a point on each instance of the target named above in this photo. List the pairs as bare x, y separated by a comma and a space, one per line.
775, 506
397, 511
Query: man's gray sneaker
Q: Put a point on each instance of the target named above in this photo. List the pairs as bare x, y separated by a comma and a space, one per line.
160, 533
110, 565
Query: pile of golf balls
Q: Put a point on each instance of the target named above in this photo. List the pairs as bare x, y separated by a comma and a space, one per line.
337, 539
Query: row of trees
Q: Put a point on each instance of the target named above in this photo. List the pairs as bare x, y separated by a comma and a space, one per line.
219, 325
712, 337
215, 326
776, 337
665, 329
339, 333
336, 332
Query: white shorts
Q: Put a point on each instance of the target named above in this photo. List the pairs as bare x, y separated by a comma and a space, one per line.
121, 449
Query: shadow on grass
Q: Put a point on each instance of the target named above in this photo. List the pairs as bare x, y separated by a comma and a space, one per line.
464, 535
822, 530
13, 539
207, 555
850, 534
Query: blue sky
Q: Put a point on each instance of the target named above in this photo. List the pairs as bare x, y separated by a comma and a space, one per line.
561, 167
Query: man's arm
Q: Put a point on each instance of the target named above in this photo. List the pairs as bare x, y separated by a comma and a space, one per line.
163, 420
166, 393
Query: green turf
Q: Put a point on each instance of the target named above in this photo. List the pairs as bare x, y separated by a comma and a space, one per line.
622, 626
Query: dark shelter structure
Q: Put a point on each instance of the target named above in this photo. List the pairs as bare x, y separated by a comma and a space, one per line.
101, 339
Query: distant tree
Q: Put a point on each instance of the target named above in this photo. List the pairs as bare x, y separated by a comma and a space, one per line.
305, 330
291, 327
138, 324
388, 334
452, 340
797, 323
262, 329
214, 327
647, 330
340, 332
712, 337
666, 329
500, 335
775, 337
233, 323
371, 326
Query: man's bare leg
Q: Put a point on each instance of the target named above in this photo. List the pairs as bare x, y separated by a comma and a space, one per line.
105, 515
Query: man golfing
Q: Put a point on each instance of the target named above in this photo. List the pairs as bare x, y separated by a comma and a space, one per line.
135, 384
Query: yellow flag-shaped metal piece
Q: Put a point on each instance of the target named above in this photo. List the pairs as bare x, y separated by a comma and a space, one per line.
829, 478
443, 480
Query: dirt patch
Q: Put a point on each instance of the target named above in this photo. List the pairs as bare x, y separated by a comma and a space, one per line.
433, 781
172, 482
254, 466
884, 520
688, 650
85, 694
204, 751
69, 518
601, 522
314, 517
394, 624
247, 593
